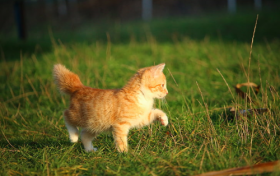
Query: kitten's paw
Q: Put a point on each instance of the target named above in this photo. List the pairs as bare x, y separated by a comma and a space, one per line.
164, 120
123, 150
91, 149
74, 138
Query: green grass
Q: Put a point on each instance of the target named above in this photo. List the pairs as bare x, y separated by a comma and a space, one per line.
202, 136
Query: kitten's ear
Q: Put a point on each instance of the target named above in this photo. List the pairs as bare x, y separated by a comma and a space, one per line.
157, 70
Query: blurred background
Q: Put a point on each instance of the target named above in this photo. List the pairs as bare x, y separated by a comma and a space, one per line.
29, 23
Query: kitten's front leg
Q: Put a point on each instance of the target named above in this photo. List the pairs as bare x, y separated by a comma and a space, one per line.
120, 133
161, 116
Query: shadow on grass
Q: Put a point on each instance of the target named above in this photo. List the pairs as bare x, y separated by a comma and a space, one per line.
14, 145
40, 144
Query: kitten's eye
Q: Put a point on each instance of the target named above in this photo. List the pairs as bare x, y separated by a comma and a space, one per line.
162, 85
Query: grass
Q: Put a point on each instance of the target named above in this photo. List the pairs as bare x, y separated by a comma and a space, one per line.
201, 70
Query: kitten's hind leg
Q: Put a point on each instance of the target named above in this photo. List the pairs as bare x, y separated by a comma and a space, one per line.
87, 138
73, 132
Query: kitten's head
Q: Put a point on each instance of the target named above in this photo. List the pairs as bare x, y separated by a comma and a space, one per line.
153, 82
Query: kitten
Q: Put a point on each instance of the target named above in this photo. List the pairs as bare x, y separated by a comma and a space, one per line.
116, 110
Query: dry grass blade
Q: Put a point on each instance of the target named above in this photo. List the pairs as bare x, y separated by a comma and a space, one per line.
9, 141
247, 170
20, 96
252, 45
274, 93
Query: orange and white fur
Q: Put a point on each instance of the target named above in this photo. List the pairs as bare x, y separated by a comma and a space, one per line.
116, 110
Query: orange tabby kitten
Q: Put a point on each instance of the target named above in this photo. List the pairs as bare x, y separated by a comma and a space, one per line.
116, 110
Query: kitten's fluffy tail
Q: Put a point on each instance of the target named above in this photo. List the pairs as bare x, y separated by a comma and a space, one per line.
66, 81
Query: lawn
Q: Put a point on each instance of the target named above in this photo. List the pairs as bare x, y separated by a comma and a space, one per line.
205, 58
